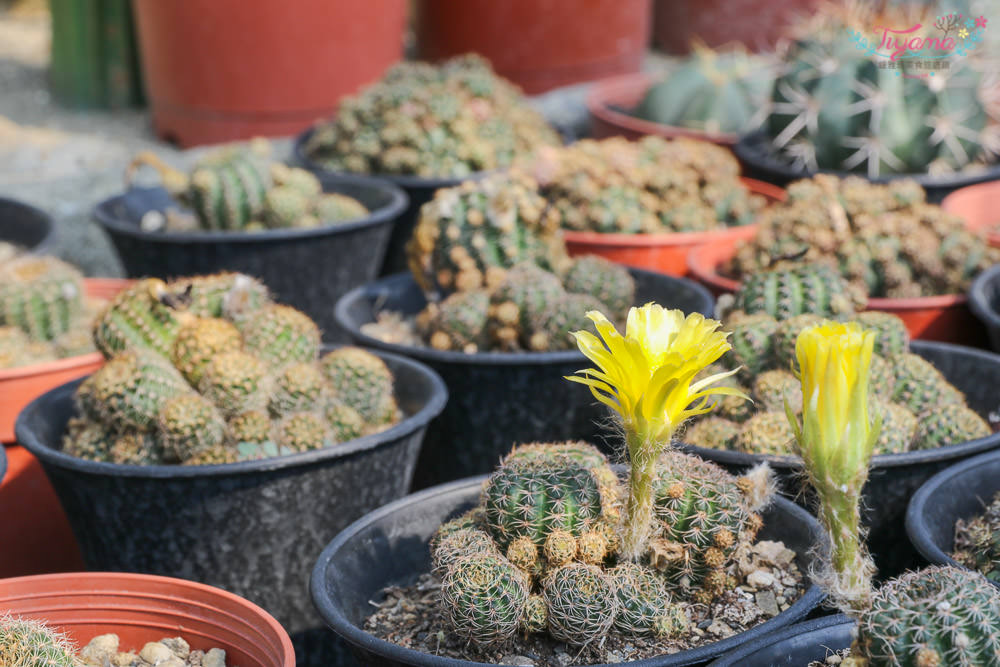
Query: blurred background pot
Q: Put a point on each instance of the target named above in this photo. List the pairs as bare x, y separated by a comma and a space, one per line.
26, 226
979, 206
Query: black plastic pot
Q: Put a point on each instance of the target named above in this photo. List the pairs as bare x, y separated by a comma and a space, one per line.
498, 398
895, 477
389, 547
959, 492
252, 528
306, 268
984, 301
759, 161
26, 226
795, 646
419, 190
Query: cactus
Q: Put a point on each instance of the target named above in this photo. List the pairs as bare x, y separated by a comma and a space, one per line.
581, 602
773, 389
517, 304
610, 284
920, 386
883, 376
252, 427
456, 545
362, 381
485, 597
469, 235
713, 432
199, 341
301, 432
767, 433
216, 454
536, 615
236, 382
540, 489
785, 293
133, 387
13, 347
753, 344
40, 295
898, 427
702, 515
138, 317
710, 92
281, 334
297, 387
73, 343
551, 329
187, 425
345, 422
27, 643
977, 541
891, 336
644, 604
88, 439
136, 448
787, 333
335, 208
434, 121
458, 322
949, 424
233, 296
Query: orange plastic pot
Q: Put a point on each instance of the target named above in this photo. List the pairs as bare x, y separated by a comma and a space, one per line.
143, 608
665, 253
220, 70
539, 44
608, 101
756, 23
945, 318
979, 206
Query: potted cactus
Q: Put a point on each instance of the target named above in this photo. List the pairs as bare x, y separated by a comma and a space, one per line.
709, 95
238, 210
935, 407
910, 257
90, 619
425, 127
937, 615
215, 422
647, 203
489, 303
557, 548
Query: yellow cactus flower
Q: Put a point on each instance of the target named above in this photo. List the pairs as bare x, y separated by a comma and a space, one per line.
647, 376
836, 440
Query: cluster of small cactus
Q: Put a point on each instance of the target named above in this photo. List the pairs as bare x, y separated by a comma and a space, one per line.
209, 370
529, 309
886, 240
238, 188
43, 311
447, 120
27, 643
653, 185
541, 552
873, 118
977, 541
711, 91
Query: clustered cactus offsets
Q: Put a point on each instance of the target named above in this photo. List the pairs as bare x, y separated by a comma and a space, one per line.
977, 541
239, 188
885, 239
210, 370
652, 186
920, 408
447, 120
44, 311
28, 643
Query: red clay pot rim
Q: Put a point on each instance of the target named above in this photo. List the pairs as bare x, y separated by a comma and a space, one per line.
606, 91
715, 279
953, 202
132, 584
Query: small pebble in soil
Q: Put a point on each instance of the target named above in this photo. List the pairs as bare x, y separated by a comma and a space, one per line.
832, 659
104, 651
768, 582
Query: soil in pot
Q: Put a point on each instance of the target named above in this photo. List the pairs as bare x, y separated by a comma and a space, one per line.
340, 255
250, 456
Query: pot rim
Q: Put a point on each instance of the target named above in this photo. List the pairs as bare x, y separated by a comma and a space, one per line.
916, 511
431, 355
44, 246
606, 91
810, 598
978, 301
105, 215
794, 630
408, 425
879, 461
406, 181
749, 150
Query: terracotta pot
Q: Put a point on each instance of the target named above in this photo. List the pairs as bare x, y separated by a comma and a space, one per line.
539, 44
979, 206
945, 318
610, 101
220, 70
665, 253
756, 23
19, 386
142, 608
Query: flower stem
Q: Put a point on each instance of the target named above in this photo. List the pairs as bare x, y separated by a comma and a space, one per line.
643, 453
851, 566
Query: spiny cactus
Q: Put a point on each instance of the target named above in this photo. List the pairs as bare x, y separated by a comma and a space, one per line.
773, 389
345, 422
644, 604
609, 283
949, 424
485, 597
140, 448
435, 121
458, 322
449, 548
199, 341
752, 339
281, 334
883, 375
27, 643
898, 427
581, 603
469, 235
891, 336
920, 386
140, 316
787, 333
713, 432
551, 329
518, 302
977, 541
767, 433
88, 439
236, 382
785, 293
297, 387
362, 381
42, 296
187, 425
536, 615
301, 432
233, 296
133, 387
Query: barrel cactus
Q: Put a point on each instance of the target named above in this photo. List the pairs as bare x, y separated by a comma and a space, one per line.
949, 424
485, 597
28, 643
141, 316
362, 381
609, 283
785, 293
581, 601
42, 296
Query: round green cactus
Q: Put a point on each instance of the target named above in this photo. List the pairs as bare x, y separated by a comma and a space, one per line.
42, 296
301, 432
88, 439
518, 303
787, 333
898, 427
297, 387
766, 433
236, 382
361, 380
785, 293
920, 386
345, 422
536, 615
891, 337
27, 643
713, 432
644, 604
233, 296
199, 341
252, 426
882, 376
136, 448
286, 206
772, 390
281, 334
949, 424
132, 388
581, 601
336, 208
187, 425
138, 317
753, 344
458, 544
609, 283
458, 322
552, 329
484, 597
